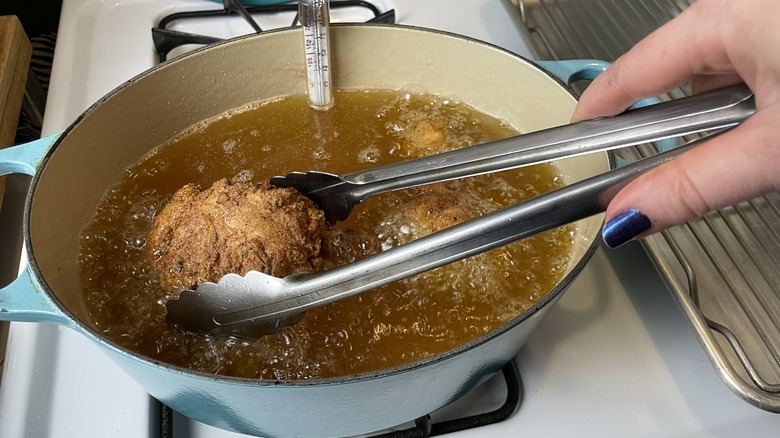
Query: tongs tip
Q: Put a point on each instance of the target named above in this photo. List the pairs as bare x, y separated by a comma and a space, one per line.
329, 192
219, 308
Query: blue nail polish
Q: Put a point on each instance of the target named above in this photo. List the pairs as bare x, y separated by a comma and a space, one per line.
624, 227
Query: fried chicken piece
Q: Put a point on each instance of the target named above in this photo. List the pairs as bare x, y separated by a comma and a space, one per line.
439, 206
435, 208
234, 228
426, 137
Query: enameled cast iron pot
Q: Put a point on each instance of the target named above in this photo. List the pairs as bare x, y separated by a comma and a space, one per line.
72, 171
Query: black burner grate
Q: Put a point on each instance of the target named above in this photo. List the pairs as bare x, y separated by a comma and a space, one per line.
423, 427
165, 40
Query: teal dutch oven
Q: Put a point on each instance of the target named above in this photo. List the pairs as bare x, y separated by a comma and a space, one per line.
72, 170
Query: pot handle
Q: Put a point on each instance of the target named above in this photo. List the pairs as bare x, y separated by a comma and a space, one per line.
25, 158
573, 70
24, 299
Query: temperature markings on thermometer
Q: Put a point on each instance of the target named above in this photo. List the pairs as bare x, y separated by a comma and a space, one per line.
314, 20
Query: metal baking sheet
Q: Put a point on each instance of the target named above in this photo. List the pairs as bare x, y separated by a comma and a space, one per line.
723, 269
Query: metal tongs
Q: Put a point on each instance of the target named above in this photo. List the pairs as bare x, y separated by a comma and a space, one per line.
255, 304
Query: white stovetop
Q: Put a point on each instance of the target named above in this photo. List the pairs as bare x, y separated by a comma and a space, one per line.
614, 358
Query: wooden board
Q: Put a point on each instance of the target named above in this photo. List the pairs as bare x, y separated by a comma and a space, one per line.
15, 52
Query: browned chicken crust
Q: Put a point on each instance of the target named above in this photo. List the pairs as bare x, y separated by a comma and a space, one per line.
439, 206
426, 137
234, 227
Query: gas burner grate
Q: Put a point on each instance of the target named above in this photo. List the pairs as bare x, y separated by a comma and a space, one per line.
166, 39
423, 427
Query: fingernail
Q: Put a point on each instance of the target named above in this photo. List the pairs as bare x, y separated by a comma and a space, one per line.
624, 227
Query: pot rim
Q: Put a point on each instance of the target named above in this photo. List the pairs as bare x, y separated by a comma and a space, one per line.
349, 378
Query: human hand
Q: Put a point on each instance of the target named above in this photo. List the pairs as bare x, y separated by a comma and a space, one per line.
713, 43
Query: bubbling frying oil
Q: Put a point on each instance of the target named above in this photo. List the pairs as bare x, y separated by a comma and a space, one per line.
408, 320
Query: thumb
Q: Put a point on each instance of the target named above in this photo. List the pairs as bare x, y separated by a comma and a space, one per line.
733, 167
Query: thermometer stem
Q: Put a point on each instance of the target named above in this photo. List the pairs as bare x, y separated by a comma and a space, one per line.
314, 17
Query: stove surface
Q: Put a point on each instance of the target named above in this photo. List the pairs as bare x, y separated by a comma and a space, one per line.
613, 358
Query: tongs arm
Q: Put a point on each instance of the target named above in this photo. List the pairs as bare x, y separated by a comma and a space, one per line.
338, 195
711, 111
